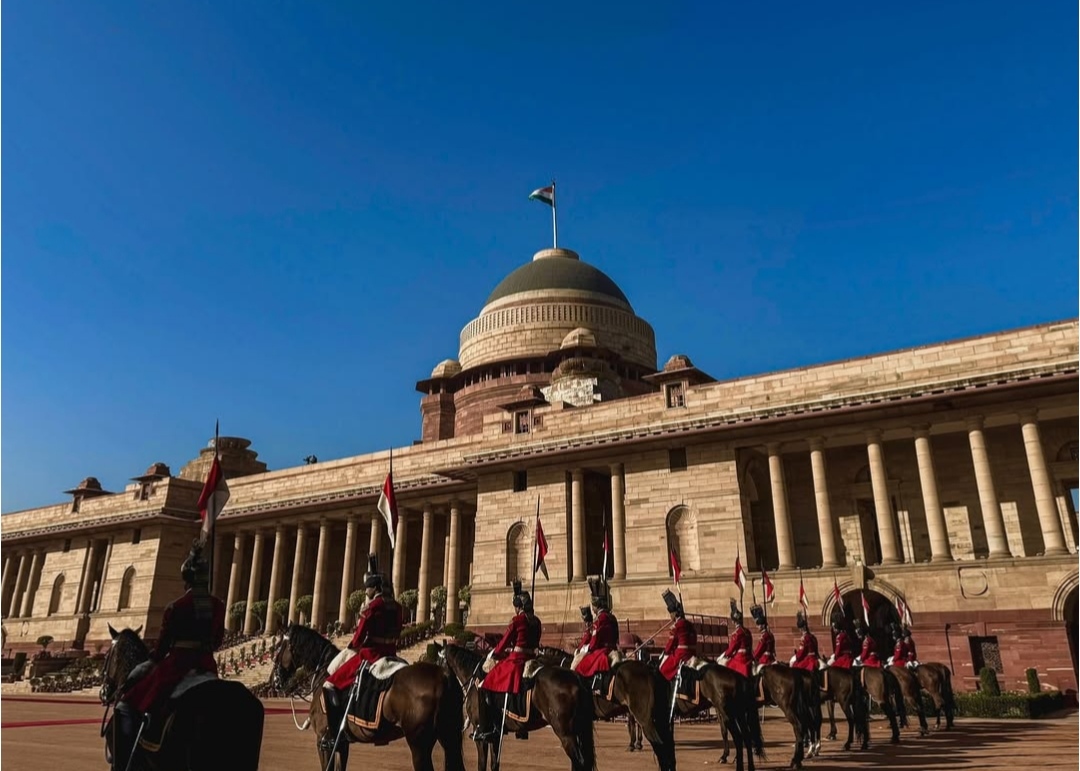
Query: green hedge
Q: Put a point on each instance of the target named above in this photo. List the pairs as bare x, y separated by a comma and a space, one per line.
1008, 704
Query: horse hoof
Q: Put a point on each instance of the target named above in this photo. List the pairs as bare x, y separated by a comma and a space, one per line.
847, 746
894, 740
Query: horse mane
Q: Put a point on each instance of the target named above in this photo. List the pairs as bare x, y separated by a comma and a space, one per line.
469, 658
130, 637
551, 650
308, 646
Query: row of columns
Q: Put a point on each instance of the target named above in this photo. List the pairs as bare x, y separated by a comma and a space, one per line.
349, 579
577, 522
22, 576
1049, 521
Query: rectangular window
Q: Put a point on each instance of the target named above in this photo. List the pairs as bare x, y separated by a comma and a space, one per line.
137, 535
677, 459
521, 481
985, 653
673, 392
67, 545
144, 491
521, 422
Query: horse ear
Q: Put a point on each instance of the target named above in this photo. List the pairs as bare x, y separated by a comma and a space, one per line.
138, 630
113, 632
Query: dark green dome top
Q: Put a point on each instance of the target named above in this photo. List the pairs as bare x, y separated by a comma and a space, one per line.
557, 269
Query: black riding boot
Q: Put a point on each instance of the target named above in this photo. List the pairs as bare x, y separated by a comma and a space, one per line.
126, 722
335, 711
487, 730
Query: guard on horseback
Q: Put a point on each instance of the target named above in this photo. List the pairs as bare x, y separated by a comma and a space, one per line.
739, 655
192, 628
765, 652
604, 638
519, 645
904, 649
843, 649
376, 636
868, 654
586, 636
806, 655
681, 645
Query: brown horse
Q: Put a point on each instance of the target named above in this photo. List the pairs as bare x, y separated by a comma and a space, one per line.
909, 690
422, 704
216, 725
936, 680
840, 686
882, 687
794, 692
560, 699
732, 696
637, 690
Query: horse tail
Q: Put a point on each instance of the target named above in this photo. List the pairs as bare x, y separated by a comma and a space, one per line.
751, 720
946, 688
450, 724
801, 707
657, 710
584, 727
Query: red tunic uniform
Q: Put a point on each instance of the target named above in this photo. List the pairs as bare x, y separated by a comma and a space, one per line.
738, 652
603, 640
869, 656
806, 657
586, 637
842, 654
765, 652
680, 647
900, 653
376, 636
186, 643
911, 655
520, 642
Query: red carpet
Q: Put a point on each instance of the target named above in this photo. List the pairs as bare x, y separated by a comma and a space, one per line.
39, 723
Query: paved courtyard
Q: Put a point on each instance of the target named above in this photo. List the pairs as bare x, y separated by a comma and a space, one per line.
61, 732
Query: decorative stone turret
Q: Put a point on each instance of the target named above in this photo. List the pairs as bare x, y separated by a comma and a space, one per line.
236, 460
154, 473
88, 488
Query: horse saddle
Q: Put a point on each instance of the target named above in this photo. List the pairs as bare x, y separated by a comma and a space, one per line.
688, 684
371, 689
603, 684
160, 717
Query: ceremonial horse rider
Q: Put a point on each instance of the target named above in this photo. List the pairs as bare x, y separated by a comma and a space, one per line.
843, 649
586, 636
192, 628
604, 638
739, 654
806, 655
376, 636
868, 654
765, 651
518, 645
682, 643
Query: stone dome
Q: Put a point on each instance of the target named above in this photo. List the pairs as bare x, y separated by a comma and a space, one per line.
557, 269
446, 368
579, 338
556, 300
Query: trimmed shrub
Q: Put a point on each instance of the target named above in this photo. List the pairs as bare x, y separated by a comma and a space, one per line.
988, 682
1033, 680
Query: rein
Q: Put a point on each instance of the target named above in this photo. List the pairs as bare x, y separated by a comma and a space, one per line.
320, 666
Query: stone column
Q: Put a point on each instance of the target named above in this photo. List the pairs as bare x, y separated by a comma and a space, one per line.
453, 614
1049, 521
82, 604
9, 574
234, 579
423, 601
15, 606
618, 519
400, 549
376, 534
991, 509
297, 573
785, 540
28, 596
879, 479
940, 550
348, 568
826, 529
318, 599
577, 514
277, 573
250, 621
446, 557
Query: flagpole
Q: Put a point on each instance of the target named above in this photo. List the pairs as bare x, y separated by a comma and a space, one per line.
213, 507
536, 550
554, 218
764, 588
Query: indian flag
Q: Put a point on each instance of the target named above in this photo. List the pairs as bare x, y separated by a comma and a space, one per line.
544, 194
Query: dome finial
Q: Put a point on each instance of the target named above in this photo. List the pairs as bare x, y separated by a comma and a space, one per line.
566, 254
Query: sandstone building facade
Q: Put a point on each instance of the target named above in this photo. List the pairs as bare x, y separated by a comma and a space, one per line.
945, 475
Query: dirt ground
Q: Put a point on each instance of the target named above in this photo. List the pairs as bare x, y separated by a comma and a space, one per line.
61, 732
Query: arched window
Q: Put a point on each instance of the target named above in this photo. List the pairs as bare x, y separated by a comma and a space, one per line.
683, 538
518, 553
57, 594
125, 589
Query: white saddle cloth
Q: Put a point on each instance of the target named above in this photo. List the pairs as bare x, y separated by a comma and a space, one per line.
696, 663
339, 660
615, 657
385, 667
532, 666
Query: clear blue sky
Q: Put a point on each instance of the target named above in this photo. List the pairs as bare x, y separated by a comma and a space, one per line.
281, 214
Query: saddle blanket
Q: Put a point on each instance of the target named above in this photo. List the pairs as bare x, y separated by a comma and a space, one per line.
603, 684
689, 685
386, 667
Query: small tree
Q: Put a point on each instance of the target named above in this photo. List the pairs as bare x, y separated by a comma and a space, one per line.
303, 606
438, 603
238, 611
989, 682
258, 609
409, 599
45, 641
465, 594
281, 610
1033, 680
355, 603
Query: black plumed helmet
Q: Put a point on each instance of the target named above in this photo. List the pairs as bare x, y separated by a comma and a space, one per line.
196, 569
672, 602
586, 614
374, 579
736, 614
758, 614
